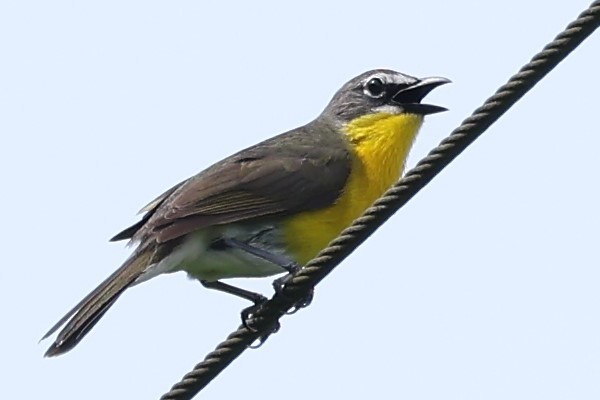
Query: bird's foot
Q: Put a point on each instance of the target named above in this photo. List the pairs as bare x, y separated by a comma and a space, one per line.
253, 323
279, 285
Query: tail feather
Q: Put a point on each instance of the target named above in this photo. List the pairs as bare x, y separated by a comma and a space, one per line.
88, 311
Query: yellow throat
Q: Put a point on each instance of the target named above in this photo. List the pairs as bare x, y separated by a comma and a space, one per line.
381, 143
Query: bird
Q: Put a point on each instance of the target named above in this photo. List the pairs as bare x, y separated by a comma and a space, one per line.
270, 208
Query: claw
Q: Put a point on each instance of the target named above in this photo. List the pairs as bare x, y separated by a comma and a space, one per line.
247, 318
263, 338
279, 284
304, 302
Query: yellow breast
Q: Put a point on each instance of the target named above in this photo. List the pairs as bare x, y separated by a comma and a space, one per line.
380, 143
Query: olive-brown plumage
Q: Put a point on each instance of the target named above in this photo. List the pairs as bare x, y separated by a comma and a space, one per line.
239, 217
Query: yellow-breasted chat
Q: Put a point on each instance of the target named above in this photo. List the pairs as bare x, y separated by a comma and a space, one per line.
271, 207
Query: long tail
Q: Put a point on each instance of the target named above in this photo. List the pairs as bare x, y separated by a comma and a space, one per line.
88, 311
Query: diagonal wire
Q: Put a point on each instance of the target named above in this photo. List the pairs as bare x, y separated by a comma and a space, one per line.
300, 283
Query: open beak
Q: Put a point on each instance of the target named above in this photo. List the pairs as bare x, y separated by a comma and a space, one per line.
409, 98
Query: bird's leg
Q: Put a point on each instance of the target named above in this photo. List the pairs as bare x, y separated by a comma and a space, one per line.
254, 297
277, 259
284, 262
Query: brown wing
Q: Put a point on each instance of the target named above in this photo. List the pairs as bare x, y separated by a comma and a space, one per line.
148, 210
297, 171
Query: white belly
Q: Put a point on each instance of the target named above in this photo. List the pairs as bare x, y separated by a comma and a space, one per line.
196, 257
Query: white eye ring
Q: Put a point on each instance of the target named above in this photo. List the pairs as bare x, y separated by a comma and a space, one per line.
374, 88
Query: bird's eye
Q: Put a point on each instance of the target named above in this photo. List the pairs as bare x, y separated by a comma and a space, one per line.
374, 88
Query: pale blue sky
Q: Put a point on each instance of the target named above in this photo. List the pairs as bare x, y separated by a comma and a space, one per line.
485, 286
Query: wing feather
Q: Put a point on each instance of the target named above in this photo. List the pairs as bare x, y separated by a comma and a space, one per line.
300, 170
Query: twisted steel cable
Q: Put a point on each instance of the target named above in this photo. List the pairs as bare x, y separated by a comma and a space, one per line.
299, 284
